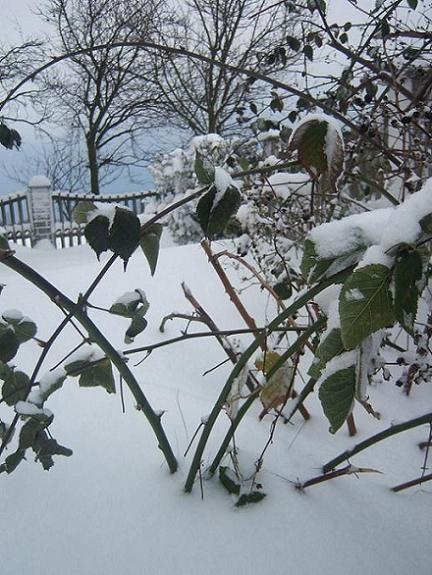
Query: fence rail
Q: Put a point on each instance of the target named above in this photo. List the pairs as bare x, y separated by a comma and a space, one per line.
28, 217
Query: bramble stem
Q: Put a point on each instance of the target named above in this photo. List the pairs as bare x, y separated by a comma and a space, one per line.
244, 408
393, 430
96, 335
291, 309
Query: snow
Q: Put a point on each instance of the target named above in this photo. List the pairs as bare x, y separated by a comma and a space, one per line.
26, 408
211, 140
381, 229
39, 182
113, 508
12, 315
285, 184
131, 297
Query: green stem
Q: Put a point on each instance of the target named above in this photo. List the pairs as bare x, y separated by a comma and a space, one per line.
308, 388
393, 430
95, 335
297, 345
218, 406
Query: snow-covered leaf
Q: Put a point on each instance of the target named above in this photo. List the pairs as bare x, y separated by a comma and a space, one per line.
328, 348
131, 304
82, 210
214, 210
407, 274
204, 169
336, 394
365, 304
319, 146
315, 267
229, 480
252, 497
149, 243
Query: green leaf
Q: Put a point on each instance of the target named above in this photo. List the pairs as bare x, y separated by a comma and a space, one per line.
204, 170
99, 374
5, 371
137, 326
12, 461
45, 447
29, 431
308, 52
253, 497
150, 243
25, 330
229, 480
412, 4
97, 234
331, 346
9, 138
214, 214
337, 396
328, 348
426, 224
408, 272
365, 304
9, 343
293, 43
82, 210
124, 234
283, 289
4, 244
385, 28
15, 387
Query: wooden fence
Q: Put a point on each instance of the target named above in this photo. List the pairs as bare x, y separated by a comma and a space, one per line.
28, 217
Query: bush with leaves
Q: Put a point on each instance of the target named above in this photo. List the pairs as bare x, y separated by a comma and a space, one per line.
364, 275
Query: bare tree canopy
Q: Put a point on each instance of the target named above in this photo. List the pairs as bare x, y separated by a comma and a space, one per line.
206, 98
101, 94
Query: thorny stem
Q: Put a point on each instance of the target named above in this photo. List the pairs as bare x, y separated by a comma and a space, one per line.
348, 470
76, 310
218, 406
247, 404
201, 334
393, 430
412, 483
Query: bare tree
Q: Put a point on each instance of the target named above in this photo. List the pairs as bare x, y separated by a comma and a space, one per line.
207, 98
99, 93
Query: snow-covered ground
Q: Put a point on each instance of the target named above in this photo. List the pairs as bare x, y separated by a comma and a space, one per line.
113, 508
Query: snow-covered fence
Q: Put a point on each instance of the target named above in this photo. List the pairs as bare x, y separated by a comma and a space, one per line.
15, 218
41, 214
68, 233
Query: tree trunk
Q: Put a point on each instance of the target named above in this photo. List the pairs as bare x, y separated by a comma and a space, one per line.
93, 165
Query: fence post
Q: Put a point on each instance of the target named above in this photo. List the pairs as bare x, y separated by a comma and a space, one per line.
40, 208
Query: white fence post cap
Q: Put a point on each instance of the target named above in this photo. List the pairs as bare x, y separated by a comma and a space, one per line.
39, 182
